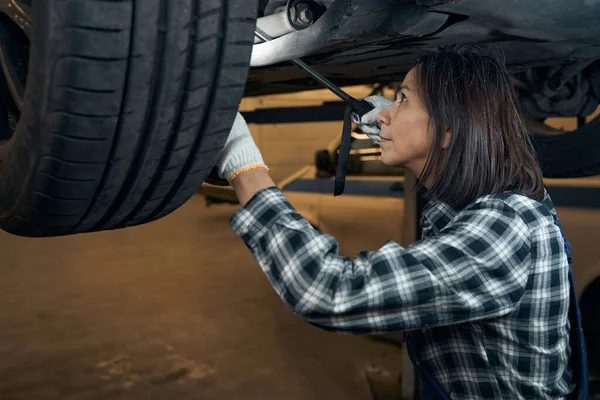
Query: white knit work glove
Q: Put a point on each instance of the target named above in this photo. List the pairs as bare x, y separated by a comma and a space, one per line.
240, 153
368, 122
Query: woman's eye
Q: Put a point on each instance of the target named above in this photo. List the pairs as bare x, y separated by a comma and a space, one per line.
401, 98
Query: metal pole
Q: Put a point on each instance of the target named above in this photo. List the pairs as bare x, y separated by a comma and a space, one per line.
317, 76
411, 232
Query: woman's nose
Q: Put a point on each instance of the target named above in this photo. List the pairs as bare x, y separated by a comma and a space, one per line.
383, 118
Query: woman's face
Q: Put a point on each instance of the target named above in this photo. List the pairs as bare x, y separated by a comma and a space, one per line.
405, 136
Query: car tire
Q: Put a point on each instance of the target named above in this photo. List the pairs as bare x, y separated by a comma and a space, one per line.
572, 154
127, 106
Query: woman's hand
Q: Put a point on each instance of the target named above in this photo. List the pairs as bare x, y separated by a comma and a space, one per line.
368, 122
241, 162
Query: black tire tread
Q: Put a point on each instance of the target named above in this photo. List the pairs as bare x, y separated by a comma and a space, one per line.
112, 158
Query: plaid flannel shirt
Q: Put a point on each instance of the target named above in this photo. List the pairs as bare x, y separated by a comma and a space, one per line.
488, 285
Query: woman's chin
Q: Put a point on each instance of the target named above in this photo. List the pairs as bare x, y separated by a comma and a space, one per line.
391, 162
387, 161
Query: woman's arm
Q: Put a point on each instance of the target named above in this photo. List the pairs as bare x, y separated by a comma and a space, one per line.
477, 268
248, 183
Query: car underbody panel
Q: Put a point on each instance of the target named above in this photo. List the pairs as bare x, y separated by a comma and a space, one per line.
369, 41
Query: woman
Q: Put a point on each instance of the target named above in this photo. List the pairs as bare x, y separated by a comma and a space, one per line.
486, 293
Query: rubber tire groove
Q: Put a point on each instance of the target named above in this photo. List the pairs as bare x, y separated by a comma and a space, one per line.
149, 118
119, 131
205, 117
176, 130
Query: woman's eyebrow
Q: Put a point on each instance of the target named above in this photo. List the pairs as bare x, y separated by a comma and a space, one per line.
404, 87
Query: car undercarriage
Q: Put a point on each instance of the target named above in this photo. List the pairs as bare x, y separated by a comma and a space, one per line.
551, 48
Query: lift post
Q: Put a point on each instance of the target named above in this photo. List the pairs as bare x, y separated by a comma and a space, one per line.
411, 232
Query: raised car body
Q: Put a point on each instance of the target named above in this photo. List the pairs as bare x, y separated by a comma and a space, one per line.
379, 40
551, 47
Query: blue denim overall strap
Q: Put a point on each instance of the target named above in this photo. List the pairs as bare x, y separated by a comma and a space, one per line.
578, 350
433, 390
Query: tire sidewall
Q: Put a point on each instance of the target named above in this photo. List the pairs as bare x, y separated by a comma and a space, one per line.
20, 156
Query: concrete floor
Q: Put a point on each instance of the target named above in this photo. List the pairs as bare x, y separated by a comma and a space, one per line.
176, 309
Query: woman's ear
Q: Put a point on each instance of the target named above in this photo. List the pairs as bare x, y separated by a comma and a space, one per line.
446, 139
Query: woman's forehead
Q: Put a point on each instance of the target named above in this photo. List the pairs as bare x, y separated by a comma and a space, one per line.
409, 79
410, 85
409, 82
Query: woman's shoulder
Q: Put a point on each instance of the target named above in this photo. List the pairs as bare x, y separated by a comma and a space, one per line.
505, 208
533, 212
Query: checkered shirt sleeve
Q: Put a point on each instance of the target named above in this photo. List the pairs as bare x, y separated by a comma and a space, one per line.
476, 268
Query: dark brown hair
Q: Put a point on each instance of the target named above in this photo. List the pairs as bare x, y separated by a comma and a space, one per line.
466, 89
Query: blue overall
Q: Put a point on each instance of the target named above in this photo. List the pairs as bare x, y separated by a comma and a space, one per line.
433, 390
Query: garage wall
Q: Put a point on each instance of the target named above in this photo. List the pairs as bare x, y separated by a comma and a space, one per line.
570, 124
